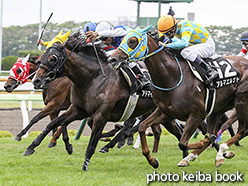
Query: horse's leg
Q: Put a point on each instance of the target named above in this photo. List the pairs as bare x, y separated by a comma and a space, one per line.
241, 100
224, 119
43, 113
223, 153
154, 118
157, 133
229, 122
128, 125
191, 125
112, 143
70, 115
68, 146
99, 123
56, 133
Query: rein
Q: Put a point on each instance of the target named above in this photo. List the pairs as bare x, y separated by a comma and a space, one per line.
168, 89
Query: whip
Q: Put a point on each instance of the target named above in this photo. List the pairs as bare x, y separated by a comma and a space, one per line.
45, 27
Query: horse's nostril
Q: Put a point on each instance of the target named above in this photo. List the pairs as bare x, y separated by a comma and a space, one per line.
36, 82
112, 59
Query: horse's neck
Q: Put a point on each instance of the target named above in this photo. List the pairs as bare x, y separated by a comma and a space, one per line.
163, 67
32, 69
81, 71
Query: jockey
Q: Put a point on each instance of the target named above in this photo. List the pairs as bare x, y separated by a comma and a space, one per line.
112, 37
194, 40
244, 41
57, 39
91, 26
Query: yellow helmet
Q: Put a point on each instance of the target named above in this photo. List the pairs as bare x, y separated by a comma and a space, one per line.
59, 38
166, 23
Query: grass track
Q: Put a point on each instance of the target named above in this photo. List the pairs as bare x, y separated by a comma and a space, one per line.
119, 167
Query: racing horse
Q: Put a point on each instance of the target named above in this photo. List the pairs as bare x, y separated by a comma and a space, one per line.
103, 98
56, 95
179, 94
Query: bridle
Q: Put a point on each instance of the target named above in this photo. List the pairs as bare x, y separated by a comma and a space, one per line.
56, 68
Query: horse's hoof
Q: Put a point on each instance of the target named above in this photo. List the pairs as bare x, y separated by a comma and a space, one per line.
229, 154
103, 150
28, 152
130, 141
183, 163
17, 138
155, 163
85, 168
121, 144
86, 164
52, 144
219, 162
69, 149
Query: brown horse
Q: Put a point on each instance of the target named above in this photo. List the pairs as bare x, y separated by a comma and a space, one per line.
56, 96
92, 95
179, 94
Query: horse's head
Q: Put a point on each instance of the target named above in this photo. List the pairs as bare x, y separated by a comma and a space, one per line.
51, 66
133, 47
19, 74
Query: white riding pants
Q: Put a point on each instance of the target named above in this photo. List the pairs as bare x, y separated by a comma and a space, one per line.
204, 50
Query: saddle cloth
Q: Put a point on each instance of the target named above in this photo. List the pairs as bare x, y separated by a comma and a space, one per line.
145, 92
226, 75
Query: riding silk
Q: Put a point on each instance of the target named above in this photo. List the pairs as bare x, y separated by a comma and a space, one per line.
226, 73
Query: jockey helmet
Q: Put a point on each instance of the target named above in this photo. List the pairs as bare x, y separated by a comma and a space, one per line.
166, 23
244, 36
103, 26
91, 25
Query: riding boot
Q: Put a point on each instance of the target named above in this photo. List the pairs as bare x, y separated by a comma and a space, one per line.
142, 79
211, 72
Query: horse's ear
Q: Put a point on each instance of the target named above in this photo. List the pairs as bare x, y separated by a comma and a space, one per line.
145, 30
24, 61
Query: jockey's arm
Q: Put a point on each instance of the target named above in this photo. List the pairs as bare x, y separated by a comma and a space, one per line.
243, 52
113, 33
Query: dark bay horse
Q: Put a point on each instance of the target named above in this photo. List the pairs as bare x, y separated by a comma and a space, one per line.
92, 95
56, 95
179, 94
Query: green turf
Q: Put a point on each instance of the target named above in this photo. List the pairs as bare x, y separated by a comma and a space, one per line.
119, 167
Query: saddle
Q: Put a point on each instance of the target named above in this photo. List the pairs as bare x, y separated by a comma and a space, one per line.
135, 93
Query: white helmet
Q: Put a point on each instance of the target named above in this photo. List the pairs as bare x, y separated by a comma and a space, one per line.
103, 26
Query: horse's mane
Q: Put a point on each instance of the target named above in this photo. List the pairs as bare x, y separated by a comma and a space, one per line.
32, 59
84, 49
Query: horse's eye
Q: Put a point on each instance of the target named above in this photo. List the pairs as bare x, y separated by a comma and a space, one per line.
132, 41
53, 59
18, 71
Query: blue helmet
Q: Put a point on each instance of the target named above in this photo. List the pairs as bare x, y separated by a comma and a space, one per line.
91, 25
244, 36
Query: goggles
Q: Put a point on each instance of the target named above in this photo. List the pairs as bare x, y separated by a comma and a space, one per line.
245, 43
169, 32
